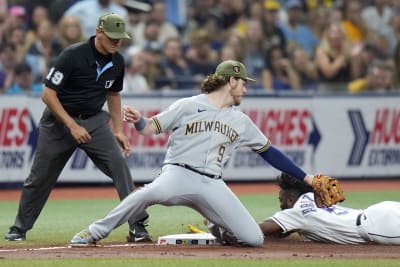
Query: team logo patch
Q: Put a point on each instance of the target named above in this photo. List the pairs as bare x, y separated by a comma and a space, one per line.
101, 24
118, 24
236, 69
109, 84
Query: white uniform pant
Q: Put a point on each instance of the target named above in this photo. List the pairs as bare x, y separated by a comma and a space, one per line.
380, 223
178, 186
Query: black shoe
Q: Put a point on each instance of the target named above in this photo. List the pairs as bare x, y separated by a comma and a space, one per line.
15, 235
138, 233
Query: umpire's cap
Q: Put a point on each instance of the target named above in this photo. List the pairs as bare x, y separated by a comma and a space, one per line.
233, 68
113, 26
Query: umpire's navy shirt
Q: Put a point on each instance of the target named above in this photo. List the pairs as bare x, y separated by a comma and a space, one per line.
82, 76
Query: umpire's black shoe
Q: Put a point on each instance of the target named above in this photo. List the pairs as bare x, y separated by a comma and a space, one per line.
138, 233
15, 235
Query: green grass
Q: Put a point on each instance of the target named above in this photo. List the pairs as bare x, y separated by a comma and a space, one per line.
61, 219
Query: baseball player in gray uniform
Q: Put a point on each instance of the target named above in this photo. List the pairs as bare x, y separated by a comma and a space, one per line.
205, 130
379, 223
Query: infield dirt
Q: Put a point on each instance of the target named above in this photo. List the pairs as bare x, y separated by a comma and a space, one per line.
289, 248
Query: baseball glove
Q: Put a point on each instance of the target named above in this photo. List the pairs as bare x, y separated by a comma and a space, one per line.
327, 191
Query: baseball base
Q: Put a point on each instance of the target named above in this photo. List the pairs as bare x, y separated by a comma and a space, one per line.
188, 239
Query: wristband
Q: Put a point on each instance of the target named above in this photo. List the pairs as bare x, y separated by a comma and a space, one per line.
140, 124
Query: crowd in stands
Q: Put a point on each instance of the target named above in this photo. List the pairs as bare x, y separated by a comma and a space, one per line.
291, 45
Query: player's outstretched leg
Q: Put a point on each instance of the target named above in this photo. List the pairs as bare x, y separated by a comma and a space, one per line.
83, 239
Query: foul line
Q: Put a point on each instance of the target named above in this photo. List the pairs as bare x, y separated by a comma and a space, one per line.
70, 247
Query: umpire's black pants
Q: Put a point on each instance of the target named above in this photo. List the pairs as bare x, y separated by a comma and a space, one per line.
55, 146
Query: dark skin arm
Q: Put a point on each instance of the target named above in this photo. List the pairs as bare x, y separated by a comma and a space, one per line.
270, 227
272, 230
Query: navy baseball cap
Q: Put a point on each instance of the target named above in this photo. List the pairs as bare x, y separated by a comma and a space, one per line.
233, 68
113, 26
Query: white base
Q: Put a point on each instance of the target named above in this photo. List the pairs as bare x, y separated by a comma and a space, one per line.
188, 239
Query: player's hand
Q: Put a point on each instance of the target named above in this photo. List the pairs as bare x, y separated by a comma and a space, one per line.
131, 114
124, 143
80, 134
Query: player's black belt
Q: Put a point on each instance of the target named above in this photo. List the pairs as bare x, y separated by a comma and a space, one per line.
212, 176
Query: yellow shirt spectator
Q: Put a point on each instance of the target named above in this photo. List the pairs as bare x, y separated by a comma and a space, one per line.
354, 33
357, 85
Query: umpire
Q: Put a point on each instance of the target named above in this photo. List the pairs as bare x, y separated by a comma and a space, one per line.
83, 78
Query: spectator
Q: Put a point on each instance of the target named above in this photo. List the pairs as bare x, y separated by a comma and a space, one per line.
319, 21
202, 14
151, 34
273, 35
153, 68
23, 81
15, 18
17, 15
396, 61
379, 77
254, 52
88, 11
18, 39
256, 10
157, 14
238, 7
389, 78
353, 24
238, 43
39, 13
305, 68
336, 16
377, 16
297, 33
7, 63
395, 26
364, 59
136, 13
57, 8
227, 13
175, 72
333, 60
382, 42
228, 52
395, 5
70, 31
201, 17
43, 50
278, 73
134, 79
201, 57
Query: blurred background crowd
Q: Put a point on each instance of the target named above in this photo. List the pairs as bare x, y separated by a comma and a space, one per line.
292, 45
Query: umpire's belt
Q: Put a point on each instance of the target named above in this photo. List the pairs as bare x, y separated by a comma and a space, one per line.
212, 176
81, 115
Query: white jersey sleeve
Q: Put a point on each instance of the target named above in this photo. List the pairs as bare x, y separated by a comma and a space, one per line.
335, 224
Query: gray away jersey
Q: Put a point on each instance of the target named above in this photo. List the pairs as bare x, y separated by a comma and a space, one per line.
204, 136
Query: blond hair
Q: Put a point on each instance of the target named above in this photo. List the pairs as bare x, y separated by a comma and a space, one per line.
325, 43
